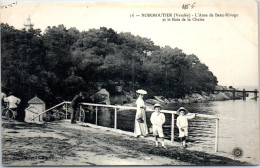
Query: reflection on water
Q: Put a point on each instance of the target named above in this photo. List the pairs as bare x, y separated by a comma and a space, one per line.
238, 126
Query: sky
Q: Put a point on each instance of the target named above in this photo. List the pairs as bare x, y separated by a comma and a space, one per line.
227, 45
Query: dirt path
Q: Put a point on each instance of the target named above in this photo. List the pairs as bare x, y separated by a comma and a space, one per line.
60, 143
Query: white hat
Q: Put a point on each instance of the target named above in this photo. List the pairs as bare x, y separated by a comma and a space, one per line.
157, 105
140, 91
182, 109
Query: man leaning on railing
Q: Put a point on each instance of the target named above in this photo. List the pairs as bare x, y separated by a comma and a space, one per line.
75, 103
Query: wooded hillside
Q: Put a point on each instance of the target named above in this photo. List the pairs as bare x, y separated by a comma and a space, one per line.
60, 62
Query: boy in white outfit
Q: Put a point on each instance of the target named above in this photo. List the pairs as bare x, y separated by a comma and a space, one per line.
182, 124
158, 119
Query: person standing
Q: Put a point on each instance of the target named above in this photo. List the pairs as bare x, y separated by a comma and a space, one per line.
182, 124
12, 103
3, 95
158, 119
74, 105
140, 128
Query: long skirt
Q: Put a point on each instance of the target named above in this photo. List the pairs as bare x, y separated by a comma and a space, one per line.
140, 128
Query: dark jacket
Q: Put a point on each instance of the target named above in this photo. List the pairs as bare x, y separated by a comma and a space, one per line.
76, 100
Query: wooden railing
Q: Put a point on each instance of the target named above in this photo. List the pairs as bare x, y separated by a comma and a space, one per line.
173, 113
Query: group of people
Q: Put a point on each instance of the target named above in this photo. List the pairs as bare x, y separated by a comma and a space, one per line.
158, 119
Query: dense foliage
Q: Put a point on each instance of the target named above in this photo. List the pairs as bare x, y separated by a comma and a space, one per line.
58, 63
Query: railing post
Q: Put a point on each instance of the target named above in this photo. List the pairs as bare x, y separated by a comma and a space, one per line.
96, 114
66, 106
244, 94
172, 127
216, 136
80, 110
234, 94
255, 94
115, 125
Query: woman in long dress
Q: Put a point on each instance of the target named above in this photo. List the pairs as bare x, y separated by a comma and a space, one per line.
140, 117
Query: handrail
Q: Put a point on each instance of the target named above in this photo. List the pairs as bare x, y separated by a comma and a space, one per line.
122, 107
134, 108
48, 110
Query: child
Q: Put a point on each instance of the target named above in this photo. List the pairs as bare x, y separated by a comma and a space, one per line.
182, 124
158, 119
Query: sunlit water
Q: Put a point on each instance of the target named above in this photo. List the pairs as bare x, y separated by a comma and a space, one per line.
238, 126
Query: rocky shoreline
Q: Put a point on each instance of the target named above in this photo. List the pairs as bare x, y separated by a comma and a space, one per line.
125, 98
195, 98
192, 98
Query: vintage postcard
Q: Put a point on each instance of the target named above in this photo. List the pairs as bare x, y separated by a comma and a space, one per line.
129, 83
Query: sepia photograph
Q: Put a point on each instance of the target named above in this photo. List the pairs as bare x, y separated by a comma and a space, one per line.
129, 83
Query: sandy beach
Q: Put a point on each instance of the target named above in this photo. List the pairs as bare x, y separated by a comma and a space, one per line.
62, 144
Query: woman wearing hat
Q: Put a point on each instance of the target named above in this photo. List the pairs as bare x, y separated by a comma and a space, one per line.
182, 124
140, 117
